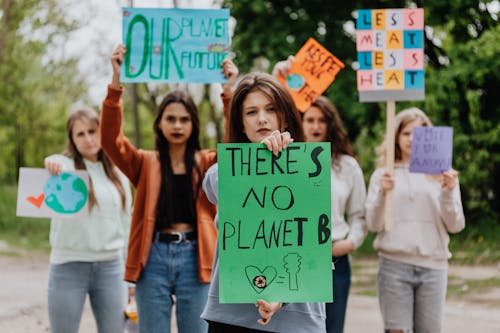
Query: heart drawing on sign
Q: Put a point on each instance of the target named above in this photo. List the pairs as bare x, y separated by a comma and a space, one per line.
260, 279
36, 201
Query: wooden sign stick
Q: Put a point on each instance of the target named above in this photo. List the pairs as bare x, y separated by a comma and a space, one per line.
389, 160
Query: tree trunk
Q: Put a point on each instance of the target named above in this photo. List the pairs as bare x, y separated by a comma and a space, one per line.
4, 26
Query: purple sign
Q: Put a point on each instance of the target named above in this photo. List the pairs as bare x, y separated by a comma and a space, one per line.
431, 149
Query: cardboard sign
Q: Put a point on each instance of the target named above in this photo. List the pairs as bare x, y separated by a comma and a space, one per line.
274, 223
41, 195
174, 45
312, 72
390, 45
431, 149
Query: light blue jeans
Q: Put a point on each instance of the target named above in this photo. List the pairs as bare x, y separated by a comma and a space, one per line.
69, 284
411, 297
172, 269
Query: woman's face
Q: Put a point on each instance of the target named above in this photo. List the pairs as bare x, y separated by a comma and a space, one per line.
314, 125
176, 124
260, 117
405, 138
86, 137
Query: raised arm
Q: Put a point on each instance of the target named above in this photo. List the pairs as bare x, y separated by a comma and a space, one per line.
230, 71
282, 68
126, 157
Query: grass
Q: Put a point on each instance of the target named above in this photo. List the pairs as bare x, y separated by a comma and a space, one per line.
476, 244
21, 232
470, 290
461, 287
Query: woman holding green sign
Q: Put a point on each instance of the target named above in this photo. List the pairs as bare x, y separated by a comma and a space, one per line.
87, 254
173, 236
413, 254
322, 123
262, 111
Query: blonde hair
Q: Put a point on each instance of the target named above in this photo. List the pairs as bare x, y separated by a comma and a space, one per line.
402, 119
72, 152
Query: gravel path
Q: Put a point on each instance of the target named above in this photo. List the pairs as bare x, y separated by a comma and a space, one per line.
23, 284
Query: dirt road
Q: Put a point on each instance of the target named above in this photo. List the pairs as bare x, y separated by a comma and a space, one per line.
23, 283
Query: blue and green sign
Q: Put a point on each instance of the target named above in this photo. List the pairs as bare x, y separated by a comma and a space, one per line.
174, 45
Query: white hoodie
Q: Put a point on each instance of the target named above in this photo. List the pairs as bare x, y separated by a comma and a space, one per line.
423, 215
101, 236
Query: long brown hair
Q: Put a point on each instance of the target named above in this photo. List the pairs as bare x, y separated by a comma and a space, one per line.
402, 119
277, 94
165, 203
335, 131
73, 153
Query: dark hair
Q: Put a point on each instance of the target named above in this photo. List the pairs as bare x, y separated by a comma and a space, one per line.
277, 94
335, 131
165, 203
73, 153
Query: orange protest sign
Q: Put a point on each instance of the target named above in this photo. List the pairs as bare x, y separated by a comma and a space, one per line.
313, 70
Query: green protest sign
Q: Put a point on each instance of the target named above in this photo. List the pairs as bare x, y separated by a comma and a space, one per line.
274, 223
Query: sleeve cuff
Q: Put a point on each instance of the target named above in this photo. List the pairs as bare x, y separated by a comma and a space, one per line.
114, 95
447, 196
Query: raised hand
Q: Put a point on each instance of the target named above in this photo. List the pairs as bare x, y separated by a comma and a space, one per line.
116, 61
449, 180
282, 68
386, 182
230, 71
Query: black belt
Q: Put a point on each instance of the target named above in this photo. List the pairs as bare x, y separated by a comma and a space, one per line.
175, 237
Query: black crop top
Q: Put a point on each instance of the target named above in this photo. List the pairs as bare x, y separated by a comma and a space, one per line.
181, 212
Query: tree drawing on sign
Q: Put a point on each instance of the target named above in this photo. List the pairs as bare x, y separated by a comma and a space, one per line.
292, 267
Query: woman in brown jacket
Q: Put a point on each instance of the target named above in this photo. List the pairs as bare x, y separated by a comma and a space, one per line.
173, 236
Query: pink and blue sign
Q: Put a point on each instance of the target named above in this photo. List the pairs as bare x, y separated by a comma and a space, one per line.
390, 46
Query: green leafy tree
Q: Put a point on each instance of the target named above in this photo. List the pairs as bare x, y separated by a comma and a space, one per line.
461, 47
37, 91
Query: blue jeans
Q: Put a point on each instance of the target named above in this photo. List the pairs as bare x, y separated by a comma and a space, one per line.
171, 269
69, 284
335, 312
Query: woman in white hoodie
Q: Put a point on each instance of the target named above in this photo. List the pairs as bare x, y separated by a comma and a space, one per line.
87, 255
413, 254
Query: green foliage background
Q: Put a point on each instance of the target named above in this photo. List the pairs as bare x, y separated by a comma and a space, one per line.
462, 47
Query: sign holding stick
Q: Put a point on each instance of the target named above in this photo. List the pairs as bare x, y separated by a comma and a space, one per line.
313, 70
390, 138
174, 45
274, 223
41, 195
431, 149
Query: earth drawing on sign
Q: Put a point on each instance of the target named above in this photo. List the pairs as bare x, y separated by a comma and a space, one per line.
65, 193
